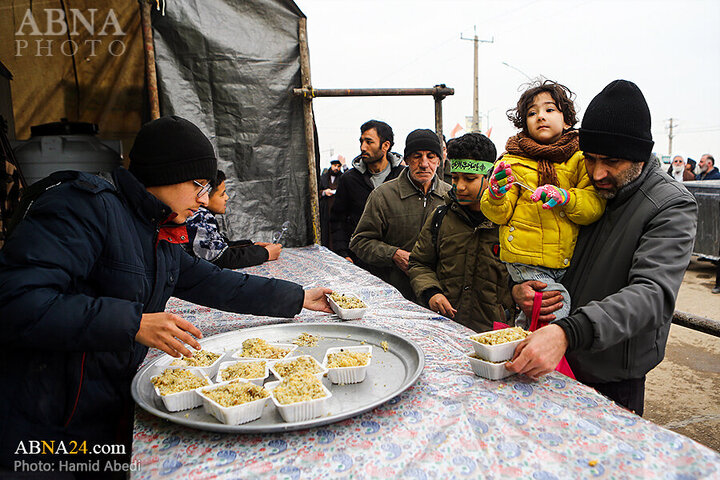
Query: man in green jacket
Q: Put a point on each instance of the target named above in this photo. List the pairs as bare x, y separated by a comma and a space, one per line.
454, 267
396, 211
627, 267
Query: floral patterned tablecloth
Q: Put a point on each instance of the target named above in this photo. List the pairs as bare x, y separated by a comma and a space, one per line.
450, 424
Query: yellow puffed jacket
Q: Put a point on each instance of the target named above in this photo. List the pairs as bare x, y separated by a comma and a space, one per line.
532, 235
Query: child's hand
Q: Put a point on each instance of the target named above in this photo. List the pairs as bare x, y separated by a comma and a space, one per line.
274, 250
316, 299
501, 180
551, 196
440, 304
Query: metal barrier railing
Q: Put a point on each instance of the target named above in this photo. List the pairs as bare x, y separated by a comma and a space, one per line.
701, 324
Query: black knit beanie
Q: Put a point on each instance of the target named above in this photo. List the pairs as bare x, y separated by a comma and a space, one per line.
423, 139
617, 123
171, 150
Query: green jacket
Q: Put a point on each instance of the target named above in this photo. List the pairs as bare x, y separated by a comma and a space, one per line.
393, 216
464, 266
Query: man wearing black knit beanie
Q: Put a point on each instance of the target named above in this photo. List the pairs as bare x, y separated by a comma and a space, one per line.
86, 275
396, 211
627, 267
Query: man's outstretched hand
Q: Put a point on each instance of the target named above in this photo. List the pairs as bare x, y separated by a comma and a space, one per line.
539, 353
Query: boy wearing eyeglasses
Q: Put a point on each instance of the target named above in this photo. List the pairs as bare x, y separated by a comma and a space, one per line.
84, 279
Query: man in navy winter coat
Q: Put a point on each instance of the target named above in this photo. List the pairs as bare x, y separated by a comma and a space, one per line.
708, 170
84, 280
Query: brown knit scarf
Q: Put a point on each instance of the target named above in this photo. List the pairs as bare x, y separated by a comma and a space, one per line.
545, 155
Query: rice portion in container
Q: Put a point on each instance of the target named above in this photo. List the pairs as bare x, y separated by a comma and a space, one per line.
175, 380
244, 370
203, 358
498, 345
259, 348
347, 301
234, 402
301, 387
304, 364
348, 359
348, 365
501, 336
236, 393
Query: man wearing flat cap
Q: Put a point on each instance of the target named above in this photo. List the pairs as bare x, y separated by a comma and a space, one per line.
627, 267
396, 211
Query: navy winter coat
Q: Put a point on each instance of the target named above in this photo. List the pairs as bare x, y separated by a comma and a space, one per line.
713, 174
75, 277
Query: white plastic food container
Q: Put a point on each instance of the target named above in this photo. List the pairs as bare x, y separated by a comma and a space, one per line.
210, 370
493, 353
257, 381
347, 375
491, 371
301, 411
186, 400
235, 415
319, 375
347, 313
289, 346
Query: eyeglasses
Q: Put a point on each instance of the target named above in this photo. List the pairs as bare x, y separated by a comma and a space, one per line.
203, 188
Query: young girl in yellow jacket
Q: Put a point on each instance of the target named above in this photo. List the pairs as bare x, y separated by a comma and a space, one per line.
539, 190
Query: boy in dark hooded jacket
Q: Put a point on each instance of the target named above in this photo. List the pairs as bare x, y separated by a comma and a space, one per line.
454, 266
84, 279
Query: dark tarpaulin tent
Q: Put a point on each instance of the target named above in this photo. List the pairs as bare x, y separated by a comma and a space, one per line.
227, 65
230, 67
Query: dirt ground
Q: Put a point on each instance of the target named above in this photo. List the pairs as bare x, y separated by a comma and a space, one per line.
683, 392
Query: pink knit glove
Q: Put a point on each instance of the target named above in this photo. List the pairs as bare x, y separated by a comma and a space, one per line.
501, 180
551, 196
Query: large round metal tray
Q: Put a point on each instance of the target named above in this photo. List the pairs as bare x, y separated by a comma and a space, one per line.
390, 373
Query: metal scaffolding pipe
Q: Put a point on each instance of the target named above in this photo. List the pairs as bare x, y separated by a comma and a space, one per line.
701, 324
438, 91
309, 123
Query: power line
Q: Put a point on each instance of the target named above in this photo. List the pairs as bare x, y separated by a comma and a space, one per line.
699, 130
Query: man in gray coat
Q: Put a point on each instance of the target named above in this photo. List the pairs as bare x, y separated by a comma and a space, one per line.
627, 267
396, 211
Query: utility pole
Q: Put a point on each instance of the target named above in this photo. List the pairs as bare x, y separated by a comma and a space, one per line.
670, 133
476, 104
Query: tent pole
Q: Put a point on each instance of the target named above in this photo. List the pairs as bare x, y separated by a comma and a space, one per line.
309, 130
438, 117
150, 73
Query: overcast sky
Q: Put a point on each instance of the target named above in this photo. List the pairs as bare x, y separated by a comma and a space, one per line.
670, 49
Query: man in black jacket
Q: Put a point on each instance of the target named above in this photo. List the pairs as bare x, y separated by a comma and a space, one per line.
374, 166
627, 267
329, 181
84, 279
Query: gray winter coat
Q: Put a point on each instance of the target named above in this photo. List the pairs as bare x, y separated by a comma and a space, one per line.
624, 278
